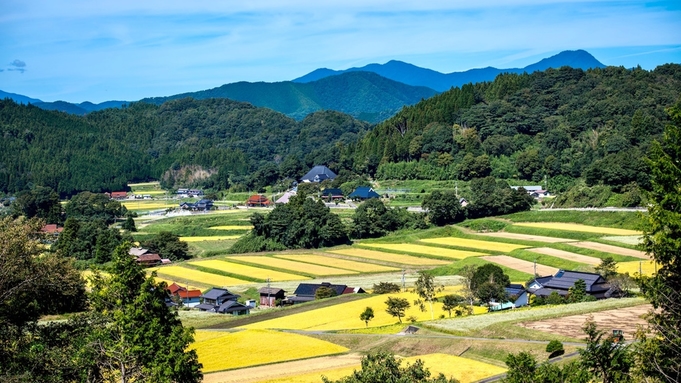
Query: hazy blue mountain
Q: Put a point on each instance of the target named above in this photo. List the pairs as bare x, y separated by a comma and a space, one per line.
417, 76
364, 95
18, 98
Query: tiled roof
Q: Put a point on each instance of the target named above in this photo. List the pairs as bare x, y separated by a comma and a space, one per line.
149, 258
270, 290
309, 289
566, 279
364, 192
318, 173
216, 293
231, 306
137, 251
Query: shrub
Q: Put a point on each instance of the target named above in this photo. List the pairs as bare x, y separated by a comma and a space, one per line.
555, 348
386, 288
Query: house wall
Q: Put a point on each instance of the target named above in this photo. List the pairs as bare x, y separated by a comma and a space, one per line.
522, 300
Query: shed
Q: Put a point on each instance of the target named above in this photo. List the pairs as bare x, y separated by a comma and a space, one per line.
363, 192
269, 295
318, 173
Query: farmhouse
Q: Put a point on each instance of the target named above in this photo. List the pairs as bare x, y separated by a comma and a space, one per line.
118, 195
318, 173
362, 193
306, 291
517, 295
258, 200
201, 205
332, 194
190, 298
269, 296
222, 301
146, 258
52, 229
596, 285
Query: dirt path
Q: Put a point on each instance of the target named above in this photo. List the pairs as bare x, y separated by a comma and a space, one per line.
526, 237
625, 319
611, 249
567, 255
280, 370
520, 265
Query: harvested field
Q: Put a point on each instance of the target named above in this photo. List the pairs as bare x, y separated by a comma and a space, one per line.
578, 227
250, 271
633, 267
389, 257
210, 238
184, 275
627, 239
285, 370
426, 250
231, 227
520, 265
294, 266
526, 237
475, 244
611, 249
337, 262
567, 255
625, 319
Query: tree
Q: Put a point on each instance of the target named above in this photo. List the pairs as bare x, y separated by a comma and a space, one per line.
577, 293
660, 353
523, 368
41, 202
129, 224
488, 283
383, 367
373, 219
555, 348
468, 272
386, 288
443, 207
451, 302
324, 292
396, 307
90, 206
367, 315
607, 268
168, 245
609, 361
426, 289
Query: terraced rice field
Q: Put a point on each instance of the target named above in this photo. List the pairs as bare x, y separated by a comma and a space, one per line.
611, 249
339, 263
389, 257
153, 205
521, 265
305, 268
184, 275
627, 239
567, 255
231, 227
250, 271
475, 244
525, 237
210, 238
646, 267
256, 347
578, 227
346, 315
426, 250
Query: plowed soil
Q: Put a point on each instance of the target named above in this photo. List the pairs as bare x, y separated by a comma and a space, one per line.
520, 265
611, 249
625, 319
567, 255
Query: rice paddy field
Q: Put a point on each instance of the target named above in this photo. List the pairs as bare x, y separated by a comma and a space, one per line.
140, 205
225, 350
578, 227
475, 244
231, 227
294, 266
361, 267
187, 275
635, 267
388, 257
210, 238
248, 271
426, 250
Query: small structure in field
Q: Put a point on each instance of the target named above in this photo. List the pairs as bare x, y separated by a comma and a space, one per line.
118, 195
270, 295
189, 298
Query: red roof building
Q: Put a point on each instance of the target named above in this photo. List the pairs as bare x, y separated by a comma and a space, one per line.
258, 200
119, 195
149, 259
52, 229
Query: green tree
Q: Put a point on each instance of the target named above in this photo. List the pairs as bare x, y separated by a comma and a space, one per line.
168, 245
488, 283
324, 292
451, 302
577, 293
555, 348
606, 360
607, 268
659, 353
523, 368
91, 206
129, 224
383, 367
396, 307
443, 207
373, 219
367, 315
386, 288
40, 202
426, 289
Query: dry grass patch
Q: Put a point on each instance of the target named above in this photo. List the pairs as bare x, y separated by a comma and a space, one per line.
578, 227
257, 347
389, 257
475, 244
185, 274
426, 250
250, 271
340, 263
294, 266
626, 239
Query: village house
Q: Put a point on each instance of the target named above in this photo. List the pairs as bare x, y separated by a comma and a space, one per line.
561, 283
318, 173
270, 295
201, 205
517, 295
258, 200
223, 302
145, 258
305, 292
189, 298
332, 194
363, 193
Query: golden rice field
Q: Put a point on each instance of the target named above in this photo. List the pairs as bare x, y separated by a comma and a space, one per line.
183, 275
250, 271
578, 227
231, 227
147, 205
475, 244
463, 369
257, 347
294, 266
346, 315
389, 257
339, 263
209, 238
647, 267
426, 250
142, 184
150, 192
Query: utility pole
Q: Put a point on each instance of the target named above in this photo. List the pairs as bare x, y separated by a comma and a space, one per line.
269, 303
403, 283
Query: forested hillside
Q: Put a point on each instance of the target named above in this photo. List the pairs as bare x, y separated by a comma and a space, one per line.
225, 140
562, 124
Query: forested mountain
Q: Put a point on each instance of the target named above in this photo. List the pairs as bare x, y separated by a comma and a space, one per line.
417, 76
226, 140
363, 95
563, 124
80, 109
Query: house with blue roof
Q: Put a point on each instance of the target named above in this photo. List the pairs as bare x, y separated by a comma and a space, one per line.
517, 295
561, 283
363, 193
318, 173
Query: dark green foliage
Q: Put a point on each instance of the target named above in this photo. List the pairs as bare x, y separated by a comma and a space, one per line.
367, 315
129, 224
168, 245
443, 208
555, 299
94, 206
491, 197
607, 268
386, 288
324, 292
577, 293
302, 222
373, 219
523, 368
383, 367
488, 283
484, 225
453, 302
555, 348
88, 240
40, 202
606, 360
396, 307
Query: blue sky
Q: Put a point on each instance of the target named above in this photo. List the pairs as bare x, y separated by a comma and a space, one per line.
125, 50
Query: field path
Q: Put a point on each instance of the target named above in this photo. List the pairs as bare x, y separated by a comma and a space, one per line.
280, 370
611, 249
525, 237
520, 265
567, 255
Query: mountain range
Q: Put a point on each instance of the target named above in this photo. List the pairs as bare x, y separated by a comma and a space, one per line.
371, 93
